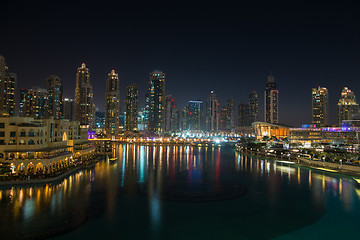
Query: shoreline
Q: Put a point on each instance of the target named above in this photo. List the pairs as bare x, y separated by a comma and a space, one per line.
50, 179
313, 165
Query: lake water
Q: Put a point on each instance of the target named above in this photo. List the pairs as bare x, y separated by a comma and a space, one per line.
182, 192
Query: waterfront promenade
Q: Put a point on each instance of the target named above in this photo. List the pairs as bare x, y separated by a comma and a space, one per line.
58, 176
349, 170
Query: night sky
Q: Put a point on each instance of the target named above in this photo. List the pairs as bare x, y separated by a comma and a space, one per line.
228, 49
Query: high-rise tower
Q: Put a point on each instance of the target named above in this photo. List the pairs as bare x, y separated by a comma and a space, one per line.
223, 118
69, 109
271, 101
112, 104
54, 87
36, 103
195, 115
156, 102
171, 114
23, 93
230, 114
132, 94
212, 113
320, 106
8, 82
244, 117
84, 102
253, 106
347, 108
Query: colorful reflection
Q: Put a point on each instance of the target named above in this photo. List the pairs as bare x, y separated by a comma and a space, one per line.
128, 194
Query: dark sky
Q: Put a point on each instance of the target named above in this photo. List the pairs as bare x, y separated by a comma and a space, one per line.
225, 48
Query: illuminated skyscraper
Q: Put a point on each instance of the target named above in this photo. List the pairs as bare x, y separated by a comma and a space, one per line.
230, 115
36, 103
8, 82
184, 118
195, 116
171, 114
223, 118
146, 111
244, 116
132, 95
253, 106
141, 120
54, 87
347, 108
84, 103
212, 113
156, 102
320, 106
69, 109
112, 104
271, 101
23, 93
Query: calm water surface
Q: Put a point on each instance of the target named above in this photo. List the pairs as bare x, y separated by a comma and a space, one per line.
129, 199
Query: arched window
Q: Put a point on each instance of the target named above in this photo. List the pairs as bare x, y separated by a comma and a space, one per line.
31, 133
31, 142
22, 133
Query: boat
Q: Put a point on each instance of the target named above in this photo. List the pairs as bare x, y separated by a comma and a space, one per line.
112, 159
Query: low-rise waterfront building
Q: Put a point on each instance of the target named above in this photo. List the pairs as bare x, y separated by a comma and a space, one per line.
263, 129
32, 145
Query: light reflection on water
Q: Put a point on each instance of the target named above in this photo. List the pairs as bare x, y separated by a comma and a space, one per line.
272, 189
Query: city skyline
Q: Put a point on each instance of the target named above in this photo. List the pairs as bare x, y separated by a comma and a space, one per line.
231, 51
332, 109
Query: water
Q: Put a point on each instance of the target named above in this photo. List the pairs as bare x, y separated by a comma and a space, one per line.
133, 198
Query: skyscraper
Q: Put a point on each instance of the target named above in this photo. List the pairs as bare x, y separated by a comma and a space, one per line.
54, 87
223, 118
36, 103
146, 110
320, 106
171, 114
244, 117
84, 103
271, 101
69, 109
8, 82
99, 119
212, 113
230, 115
141, 120
347, 108
253, 106
23, 93
112, 104
184, 118
156, 102
132, 95
195, 116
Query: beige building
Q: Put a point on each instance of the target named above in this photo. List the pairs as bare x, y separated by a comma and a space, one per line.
347, 107
42, 145
112, 104
84, 98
